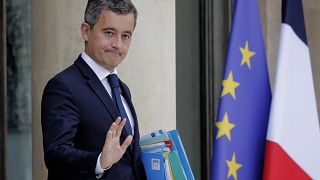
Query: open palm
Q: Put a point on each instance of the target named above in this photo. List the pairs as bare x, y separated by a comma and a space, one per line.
112, 150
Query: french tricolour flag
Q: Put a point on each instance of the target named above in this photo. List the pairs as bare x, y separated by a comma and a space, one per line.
293, 139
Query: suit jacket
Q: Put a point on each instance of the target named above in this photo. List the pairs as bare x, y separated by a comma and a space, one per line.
76, 114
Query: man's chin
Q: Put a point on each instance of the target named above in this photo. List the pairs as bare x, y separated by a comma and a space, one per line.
111, 66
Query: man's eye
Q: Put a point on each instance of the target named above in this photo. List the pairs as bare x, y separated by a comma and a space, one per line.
108, 33
126, 36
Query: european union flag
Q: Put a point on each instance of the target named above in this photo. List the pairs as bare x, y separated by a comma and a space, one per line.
241, 125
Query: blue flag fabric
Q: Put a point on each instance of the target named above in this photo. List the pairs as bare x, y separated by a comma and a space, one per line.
241, 125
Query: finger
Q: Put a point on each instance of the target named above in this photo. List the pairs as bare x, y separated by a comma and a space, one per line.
118, 120
126, 143
122, 124
113, 129
119, 129
106, 149
108, 137
114, 133
113, 126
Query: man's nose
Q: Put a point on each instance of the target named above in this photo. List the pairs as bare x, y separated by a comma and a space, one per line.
116, 42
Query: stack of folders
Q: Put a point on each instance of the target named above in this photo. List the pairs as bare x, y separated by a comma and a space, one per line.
164, 157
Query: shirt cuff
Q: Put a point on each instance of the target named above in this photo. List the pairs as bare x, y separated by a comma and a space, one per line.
99, 170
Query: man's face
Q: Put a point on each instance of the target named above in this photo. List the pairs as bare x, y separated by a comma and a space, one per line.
108, 41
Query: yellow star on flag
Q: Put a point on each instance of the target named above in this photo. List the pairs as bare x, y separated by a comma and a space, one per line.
233, 167
224, 127
229, 86
246, 55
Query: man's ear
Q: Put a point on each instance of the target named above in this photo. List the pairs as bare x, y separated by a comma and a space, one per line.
85, 30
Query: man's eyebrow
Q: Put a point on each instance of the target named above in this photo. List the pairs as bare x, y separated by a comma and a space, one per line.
108, 28
113, 29
128, 32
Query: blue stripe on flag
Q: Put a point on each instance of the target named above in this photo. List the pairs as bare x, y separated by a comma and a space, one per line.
292, 14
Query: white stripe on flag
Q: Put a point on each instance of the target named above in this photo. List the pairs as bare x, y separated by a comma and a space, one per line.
293, 118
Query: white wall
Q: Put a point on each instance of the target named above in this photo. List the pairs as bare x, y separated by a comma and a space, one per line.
149, 70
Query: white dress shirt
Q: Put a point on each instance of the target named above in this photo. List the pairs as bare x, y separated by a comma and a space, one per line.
102, 74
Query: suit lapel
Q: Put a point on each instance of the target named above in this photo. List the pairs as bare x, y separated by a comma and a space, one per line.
98, 88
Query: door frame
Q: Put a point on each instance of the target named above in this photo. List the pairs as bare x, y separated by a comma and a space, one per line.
3, 102
215, 24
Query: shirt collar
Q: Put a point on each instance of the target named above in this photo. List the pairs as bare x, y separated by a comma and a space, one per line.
100, 71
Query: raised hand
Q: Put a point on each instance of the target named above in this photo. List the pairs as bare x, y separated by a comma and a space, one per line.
112, 150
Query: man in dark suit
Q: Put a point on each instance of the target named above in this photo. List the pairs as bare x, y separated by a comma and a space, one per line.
90, 128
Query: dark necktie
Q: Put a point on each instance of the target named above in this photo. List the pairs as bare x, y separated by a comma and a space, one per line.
115, 88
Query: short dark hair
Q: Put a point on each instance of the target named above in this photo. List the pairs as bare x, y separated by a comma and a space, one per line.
95, 7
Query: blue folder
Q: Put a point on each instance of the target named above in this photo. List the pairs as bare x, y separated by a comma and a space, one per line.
175, 137
154, 165
154, 161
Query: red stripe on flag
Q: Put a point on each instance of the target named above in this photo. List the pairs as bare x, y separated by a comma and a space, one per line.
279, 165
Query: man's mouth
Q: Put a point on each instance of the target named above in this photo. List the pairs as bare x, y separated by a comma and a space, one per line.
114, 52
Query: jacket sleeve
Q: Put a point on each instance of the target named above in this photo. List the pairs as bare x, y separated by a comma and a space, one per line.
59, 120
